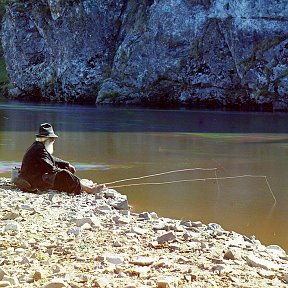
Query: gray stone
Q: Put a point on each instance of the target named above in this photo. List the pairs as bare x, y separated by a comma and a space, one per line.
166, 237
121, 203
75, 231
145, 216
113, 259
214, 227
103, 209
121, 220
12, 226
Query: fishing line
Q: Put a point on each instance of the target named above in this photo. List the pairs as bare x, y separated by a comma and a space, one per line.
194, 180
159, 174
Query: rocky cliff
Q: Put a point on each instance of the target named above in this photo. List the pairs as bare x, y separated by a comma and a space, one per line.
217, 52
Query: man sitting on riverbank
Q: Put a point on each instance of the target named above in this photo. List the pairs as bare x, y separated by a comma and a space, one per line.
43, 171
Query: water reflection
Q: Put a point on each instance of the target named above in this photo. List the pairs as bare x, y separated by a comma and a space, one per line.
110, 144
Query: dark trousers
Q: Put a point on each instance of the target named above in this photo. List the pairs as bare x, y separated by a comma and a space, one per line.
65, 181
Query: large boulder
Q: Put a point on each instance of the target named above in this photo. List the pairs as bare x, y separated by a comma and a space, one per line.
154, 51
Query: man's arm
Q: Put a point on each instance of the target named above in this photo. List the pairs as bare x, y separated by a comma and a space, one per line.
60, 163
64, 164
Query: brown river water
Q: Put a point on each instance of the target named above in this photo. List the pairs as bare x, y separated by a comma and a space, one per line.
109, 144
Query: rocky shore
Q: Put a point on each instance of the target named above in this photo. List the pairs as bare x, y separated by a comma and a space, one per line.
53, 240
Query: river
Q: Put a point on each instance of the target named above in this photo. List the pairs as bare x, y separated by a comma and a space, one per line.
108, 144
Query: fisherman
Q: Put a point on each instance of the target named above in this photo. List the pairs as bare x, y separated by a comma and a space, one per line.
41, 170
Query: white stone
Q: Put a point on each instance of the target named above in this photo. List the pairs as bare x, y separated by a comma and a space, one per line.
276, 250
143, 261
138, 230
86, 226
111, 193
254, 261
266, 274
170, 236
154, 215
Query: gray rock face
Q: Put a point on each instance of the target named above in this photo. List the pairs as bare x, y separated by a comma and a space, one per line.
224, 52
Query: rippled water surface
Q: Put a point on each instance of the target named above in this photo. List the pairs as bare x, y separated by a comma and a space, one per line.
108, 144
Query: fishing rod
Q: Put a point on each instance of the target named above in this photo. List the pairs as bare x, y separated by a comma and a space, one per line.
159, 174
187, 180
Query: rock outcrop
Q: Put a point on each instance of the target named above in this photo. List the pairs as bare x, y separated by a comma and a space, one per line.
217, 52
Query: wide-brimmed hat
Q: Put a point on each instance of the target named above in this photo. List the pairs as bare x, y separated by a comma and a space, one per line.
46, 130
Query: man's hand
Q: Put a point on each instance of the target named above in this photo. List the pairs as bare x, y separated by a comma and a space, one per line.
71, 168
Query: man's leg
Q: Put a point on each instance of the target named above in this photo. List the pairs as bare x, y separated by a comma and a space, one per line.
67, 182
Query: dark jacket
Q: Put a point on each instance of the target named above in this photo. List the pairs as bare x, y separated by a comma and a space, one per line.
38, 161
